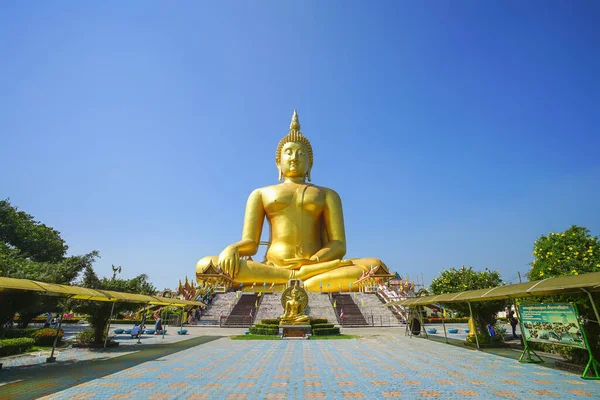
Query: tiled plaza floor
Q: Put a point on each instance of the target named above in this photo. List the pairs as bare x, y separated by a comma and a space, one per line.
395, 367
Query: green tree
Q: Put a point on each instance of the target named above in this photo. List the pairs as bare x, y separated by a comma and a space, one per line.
99, 312
32, 250
456, 280
571, 252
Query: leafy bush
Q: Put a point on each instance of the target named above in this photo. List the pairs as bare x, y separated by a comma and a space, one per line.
270, 321
570, 354
87, 336
45, 336
14, 333
261, 329
317, 321
322, 326
485, 339
15, 346
326, 331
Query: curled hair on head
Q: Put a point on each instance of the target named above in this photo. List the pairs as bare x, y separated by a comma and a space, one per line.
295, 136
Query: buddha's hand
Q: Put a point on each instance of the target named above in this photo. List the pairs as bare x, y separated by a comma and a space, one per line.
229, 260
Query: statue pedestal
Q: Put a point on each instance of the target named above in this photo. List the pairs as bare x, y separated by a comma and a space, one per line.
295, 331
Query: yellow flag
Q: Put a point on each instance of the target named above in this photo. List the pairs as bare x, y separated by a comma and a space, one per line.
334, 303
256, 304
237, 295
362, 303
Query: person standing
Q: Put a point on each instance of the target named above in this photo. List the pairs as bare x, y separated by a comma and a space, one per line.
513, 323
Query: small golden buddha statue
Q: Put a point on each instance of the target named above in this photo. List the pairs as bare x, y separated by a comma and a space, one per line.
306, 223
294, 301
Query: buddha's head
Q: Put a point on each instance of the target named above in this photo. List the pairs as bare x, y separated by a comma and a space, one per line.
294, 157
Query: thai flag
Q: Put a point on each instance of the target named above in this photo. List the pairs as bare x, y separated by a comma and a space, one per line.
342, 314
250, 313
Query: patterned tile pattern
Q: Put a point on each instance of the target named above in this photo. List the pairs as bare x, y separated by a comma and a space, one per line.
344, 369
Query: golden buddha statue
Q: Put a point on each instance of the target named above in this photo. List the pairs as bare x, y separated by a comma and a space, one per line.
306, 223
294, 301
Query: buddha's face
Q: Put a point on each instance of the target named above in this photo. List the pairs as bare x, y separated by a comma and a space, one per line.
294, 160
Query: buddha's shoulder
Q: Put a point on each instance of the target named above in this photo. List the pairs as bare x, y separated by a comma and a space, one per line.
277, 188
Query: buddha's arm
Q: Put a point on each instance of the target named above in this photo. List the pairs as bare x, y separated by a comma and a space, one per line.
333, 216
229, 259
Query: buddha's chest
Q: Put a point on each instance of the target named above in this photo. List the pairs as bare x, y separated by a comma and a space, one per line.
293, 199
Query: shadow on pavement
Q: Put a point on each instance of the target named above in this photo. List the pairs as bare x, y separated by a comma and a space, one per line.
29, 382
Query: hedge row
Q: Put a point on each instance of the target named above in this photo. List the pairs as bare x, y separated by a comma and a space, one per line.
261, 329
322, 326
15, 346
270, 321
326, 331
317, 321
13, 333
45, 336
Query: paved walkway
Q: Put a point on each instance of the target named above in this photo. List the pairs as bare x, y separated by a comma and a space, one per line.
390, 366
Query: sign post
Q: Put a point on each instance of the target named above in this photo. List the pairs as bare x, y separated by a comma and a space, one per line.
555, 323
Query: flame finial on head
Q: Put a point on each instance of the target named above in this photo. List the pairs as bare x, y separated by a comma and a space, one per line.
295, 124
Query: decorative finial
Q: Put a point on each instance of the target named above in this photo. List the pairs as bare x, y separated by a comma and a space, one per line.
295, 125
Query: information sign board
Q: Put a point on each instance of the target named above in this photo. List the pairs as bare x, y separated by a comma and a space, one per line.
551, 323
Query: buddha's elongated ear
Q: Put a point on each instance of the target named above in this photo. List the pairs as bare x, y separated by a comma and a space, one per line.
308, 175
280, 175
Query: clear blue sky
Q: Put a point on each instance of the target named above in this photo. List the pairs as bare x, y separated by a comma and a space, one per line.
455, 132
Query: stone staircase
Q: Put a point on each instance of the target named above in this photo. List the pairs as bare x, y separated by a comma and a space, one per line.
269, 307
219, 306
352, 313
319, 306
374, 310
242, 314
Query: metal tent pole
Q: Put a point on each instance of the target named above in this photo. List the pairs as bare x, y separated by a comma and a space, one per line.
474, 325
165, 325
52, 358
444, 322
108, 327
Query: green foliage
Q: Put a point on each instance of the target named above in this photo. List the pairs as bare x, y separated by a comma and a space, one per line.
270, 321
325, 331
32, 250
29, 238
322, 326
571, 252
462, 279
316, 321
571, 354
14, 333
99, 312
263, 329
88, 336
15, 346
485, 339
45, 336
